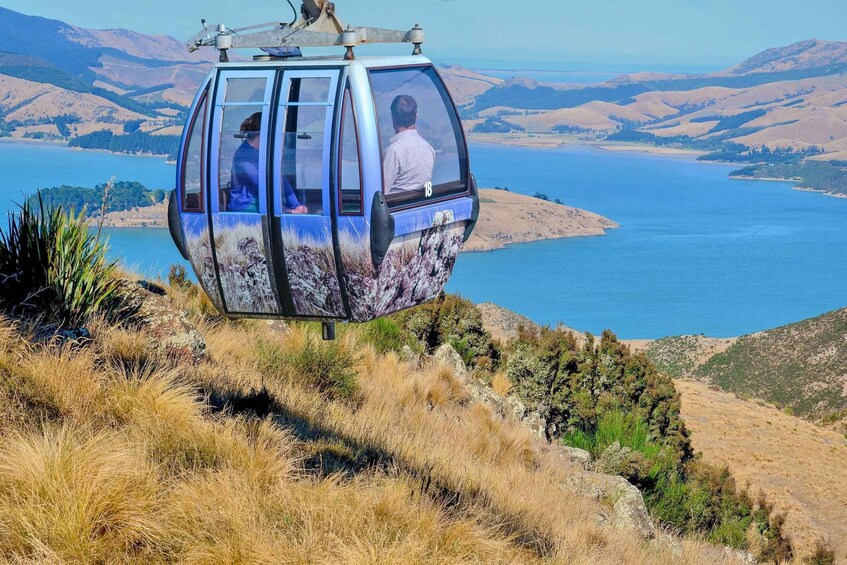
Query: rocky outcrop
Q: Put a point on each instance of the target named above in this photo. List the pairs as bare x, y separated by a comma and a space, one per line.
630, 512
505, 407
168, 331
578, 457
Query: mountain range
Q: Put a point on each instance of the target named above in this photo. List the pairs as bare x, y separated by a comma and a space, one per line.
59, 81
791, 96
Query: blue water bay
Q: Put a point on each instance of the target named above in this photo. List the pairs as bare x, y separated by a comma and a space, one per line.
696, 252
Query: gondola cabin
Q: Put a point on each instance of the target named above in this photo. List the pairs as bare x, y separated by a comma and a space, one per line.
323, 189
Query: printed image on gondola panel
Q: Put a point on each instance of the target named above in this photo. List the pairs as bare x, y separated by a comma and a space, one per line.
242, 264
200, 252
415, 269
310, 260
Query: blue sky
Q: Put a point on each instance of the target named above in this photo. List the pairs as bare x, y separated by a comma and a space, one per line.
565, 35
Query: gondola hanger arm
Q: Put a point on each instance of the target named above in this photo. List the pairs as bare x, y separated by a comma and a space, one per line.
318, 26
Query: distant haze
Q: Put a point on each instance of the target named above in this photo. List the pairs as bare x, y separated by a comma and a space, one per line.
611, 35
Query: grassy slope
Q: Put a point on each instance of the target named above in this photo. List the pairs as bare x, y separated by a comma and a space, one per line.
680, 356
799, 465
802, 366
108, 453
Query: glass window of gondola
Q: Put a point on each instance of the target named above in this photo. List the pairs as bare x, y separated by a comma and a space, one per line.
350, 170
192, 164
241, 167
423, 150
306, 110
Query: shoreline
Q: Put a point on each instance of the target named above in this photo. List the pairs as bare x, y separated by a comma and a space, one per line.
553, 141
506, 218
64, 145
795, 187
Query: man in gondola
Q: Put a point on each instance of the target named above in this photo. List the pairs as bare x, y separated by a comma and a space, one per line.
409, 159
244, 193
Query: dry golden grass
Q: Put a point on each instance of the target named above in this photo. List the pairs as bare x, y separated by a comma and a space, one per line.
798, 465
501, 384
108, 454
74, 494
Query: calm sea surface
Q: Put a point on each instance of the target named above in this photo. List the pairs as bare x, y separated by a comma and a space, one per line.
695, 253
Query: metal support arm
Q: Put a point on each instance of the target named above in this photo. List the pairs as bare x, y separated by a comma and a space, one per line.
324, 31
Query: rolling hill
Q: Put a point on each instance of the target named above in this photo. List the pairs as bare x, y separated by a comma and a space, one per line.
801, 367
781, 81
58, 80
782, 112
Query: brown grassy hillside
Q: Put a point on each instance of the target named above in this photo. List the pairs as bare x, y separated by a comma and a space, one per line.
799, 465
506, 217
112, 453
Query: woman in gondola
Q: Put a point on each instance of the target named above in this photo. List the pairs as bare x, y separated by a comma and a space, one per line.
244, 193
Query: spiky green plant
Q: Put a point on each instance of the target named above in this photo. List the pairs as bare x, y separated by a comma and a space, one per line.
52, 267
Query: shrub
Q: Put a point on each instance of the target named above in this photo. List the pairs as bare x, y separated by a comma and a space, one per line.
450, 319
602, 398
52, 267
384, 334
776, 546
822, 555
326, 366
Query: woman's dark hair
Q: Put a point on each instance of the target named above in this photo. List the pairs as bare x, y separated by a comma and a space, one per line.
252, 125
404, 111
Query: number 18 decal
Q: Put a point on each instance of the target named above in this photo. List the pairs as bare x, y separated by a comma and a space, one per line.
428, 189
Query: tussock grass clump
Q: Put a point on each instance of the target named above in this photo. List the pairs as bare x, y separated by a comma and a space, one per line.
74, 494
327, 366
501, 384
55, 384
53, 267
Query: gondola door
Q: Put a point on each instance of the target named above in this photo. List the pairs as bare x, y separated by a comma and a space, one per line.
302, 205
239, 203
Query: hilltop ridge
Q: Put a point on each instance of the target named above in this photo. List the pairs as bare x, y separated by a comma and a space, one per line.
807, 54
801, 367
288, 447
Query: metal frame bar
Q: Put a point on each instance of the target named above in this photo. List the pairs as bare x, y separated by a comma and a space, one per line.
324, 31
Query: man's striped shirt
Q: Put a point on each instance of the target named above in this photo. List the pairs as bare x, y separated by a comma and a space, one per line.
408, 163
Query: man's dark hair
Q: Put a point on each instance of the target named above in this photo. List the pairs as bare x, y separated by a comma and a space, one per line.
404, 111
252, 125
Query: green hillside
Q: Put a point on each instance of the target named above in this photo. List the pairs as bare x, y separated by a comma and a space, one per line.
32, 68
801, 366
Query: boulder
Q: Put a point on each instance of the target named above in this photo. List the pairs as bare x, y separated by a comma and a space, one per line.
408, 355
625, 499
447, 355
168, 330
574, 455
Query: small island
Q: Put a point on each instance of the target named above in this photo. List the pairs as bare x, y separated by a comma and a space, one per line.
506, 217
